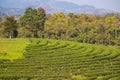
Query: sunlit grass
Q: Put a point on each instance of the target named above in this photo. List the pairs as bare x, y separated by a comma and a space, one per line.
12, 48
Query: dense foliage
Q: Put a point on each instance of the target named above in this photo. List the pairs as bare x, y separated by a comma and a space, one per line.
84, 28
63, 60
9, 27
74, 27
33, 21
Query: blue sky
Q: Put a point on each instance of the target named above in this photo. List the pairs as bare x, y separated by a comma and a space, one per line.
107, 4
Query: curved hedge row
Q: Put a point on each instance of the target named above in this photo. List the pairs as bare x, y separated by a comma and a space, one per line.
63, 60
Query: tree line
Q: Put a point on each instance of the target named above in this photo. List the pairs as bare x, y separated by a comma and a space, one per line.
86, 28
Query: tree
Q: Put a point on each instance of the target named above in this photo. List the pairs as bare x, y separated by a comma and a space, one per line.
9, 27
40, 21
0, 22
0, 25
33, 20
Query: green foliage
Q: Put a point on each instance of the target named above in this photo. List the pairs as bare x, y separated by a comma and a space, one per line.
9, 28
23, 79
78, 77
3, 53
33, 20
100, 78
83, 28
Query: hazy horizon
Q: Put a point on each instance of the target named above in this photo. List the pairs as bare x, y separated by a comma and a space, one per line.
106, 4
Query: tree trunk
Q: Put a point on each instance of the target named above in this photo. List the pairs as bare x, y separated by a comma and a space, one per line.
116, 34
10, 37
35, 34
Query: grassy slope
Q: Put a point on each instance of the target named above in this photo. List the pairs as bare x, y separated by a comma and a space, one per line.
64, 60
12, 48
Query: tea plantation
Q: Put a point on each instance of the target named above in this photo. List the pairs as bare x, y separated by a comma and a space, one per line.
46, 59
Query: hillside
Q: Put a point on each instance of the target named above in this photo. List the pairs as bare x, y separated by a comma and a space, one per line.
63, 60
51, 6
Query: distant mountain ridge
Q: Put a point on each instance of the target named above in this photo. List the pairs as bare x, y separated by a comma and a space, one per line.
8, 11
51, 6
2, 14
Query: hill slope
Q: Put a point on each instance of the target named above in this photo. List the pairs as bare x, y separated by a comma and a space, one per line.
63, 60
51, 6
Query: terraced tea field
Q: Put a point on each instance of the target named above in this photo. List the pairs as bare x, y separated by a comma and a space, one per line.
63, 60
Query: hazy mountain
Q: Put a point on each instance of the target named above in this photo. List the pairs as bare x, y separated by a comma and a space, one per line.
51, 6
72, 8
8, 11
20, 3
2, 14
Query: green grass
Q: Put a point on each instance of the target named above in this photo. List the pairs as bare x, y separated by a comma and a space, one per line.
47, 59
12, 48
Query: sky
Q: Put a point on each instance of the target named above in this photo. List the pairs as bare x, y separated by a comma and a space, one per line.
106, 4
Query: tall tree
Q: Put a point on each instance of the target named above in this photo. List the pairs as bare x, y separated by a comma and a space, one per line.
0, 26
9, 27
0, 19
33, 20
